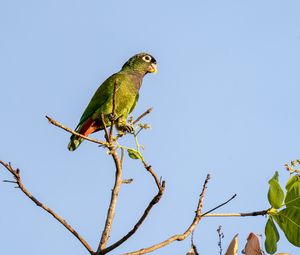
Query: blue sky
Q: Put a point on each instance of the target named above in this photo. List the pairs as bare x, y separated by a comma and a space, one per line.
225, 102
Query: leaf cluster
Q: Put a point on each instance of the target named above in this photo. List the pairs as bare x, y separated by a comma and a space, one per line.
285, 211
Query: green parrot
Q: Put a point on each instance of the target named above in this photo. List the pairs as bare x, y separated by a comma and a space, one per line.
128, 82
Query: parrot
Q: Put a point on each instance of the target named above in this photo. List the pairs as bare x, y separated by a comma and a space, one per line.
127, 83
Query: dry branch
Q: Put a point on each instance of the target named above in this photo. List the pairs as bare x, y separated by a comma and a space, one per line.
17, 176
56, 123
142, 115
218, 206
149, 169
113, 202
257, 213
178, 237
154, 201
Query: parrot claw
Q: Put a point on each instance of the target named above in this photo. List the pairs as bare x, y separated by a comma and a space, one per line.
128, 128
112, 117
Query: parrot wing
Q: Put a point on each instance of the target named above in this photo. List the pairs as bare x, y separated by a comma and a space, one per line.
101, 97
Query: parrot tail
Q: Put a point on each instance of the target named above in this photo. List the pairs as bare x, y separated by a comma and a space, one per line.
75, 141
90, 126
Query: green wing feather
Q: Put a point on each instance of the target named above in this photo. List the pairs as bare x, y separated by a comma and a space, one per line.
134, 103
100, 99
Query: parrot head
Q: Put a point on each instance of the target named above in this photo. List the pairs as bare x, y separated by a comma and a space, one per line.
143, 63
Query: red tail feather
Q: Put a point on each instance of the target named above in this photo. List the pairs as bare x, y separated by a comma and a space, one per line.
89, 127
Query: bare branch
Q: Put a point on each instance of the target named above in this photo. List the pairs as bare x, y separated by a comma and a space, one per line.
142, 116
178, 237
122, 156
257, 213
219, 206
149, 169
154, 201
16, 174
56, 123
113, 202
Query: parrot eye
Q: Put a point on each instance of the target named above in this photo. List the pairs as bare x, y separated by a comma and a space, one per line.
147, 58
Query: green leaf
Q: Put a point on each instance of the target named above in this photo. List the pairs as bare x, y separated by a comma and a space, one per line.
275, 194
134, 154
292, 197
272, 236
291, 181
288, 220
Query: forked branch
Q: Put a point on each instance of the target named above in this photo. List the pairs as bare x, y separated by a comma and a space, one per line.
178, 237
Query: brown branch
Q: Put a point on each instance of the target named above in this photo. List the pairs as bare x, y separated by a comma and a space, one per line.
17, 176
257, 213
154, 201
118, 176
178, 237
149, 169
209, 214
113, 202
56, 123
122, 156
142, 116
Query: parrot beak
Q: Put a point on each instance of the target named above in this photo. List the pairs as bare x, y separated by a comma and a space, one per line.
152, 68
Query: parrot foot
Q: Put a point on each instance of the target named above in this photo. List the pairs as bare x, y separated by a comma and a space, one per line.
124, 126
112, 117
129, 128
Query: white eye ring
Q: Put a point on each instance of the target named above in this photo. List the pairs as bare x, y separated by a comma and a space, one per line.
147, 58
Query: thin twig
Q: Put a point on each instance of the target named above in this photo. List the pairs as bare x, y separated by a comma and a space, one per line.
193, 244
56, 123
149, 169
10, 181
220, 205
16, 174
154, 201
182, 236
113, 202
104, 127
127, 181
142, 116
